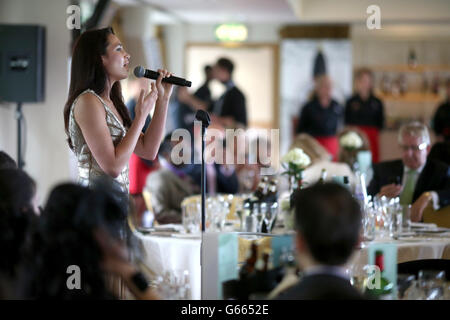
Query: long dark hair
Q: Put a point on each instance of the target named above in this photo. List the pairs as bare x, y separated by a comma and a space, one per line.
65, 237
87, 72
17, 190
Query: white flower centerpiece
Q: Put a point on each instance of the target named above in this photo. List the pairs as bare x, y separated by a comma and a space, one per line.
351, 142
295, 162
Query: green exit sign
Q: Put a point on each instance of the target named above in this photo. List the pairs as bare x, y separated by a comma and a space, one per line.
231, 32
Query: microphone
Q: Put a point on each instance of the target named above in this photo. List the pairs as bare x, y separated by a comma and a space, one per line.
203, 117
140, 72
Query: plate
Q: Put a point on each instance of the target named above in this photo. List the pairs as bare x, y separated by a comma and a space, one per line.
186, 235
434, 230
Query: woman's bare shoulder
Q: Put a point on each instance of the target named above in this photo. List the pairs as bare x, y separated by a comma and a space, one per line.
88, 107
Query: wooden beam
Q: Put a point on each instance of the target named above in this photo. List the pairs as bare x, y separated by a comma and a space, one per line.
338, 31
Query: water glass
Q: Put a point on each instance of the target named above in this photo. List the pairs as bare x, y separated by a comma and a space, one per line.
270, 216
369, 223
406, 210
191, 216
260, 215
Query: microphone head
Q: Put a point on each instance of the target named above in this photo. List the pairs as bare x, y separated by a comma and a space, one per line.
139, 71
203, 117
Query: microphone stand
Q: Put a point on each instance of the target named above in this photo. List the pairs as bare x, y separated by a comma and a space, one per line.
203, 117
19, 118
203, 177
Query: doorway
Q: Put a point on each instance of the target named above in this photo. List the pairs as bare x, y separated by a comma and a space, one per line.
255, 74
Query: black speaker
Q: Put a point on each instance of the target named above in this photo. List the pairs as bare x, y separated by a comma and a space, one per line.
22, 63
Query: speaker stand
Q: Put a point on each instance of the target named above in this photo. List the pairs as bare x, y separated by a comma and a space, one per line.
19, 118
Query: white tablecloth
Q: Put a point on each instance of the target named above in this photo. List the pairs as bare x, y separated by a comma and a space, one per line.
410, 250
167, 253
163, 254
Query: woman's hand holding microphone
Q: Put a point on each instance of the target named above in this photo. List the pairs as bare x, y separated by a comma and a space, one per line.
158, 90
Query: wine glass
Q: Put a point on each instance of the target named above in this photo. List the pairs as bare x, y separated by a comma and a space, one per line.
259, 215
270, 215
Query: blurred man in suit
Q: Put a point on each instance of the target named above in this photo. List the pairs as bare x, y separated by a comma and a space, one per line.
328, 222
169, 185
414, 179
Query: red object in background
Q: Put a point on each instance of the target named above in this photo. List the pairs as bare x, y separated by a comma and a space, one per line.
138, 172
331, 144
373, 134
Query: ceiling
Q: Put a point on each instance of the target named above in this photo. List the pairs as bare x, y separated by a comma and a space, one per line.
218, 11
298, 11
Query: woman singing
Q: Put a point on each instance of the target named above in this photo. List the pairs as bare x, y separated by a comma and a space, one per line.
99, 128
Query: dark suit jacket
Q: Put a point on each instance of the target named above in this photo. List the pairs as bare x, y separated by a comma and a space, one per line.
435, 176
321, 287
234, 106
225, 184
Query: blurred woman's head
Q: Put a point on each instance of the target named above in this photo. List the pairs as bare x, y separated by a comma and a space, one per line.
67, 237
17, 214
364, 82
98, 62
323, 88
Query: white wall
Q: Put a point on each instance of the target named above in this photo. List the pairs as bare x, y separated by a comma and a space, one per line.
47, 154
176, 36
248, 62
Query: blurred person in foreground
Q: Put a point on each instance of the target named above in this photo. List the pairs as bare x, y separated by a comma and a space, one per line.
6, 162
82, 229
169, 185
328, 223
413, 178
18, 217
441, 119
322, 116
365, 111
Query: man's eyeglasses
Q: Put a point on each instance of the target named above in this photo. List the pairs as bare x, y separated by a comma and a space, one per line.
420, 147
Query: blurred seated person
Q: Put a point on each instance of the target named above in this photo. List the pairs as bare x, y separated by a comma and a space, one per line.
322, 116
82, 227
441, 119
18, 216
220, 176
169, 185
6, 162
416, 180
320, 159
328, 223
365, 111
